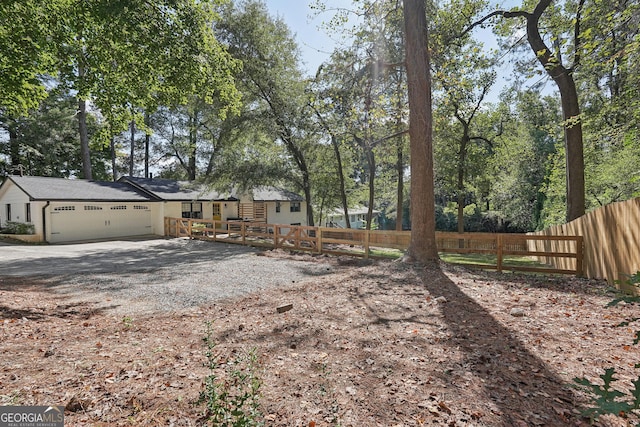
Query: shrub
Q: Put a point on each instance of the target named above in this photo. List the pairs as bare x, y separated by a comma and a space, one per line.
13, 227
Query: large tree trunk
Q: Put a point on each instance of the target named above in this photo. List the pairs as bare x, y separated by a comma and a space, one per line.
422, 246
570, 111
85, 153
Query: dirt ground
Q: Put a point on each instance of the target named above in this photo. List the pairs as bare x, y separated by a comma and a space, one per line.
373, 344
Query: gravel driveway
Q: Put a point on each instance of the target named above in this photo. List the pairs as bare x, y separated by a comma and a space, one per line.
152, 275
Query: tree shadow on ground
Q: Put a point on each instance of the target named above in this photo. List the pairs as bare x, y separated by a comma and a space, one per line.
556, 283
518, 382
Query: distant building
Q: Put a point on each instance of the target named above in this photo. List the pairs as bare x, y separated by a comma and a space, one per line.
357, 218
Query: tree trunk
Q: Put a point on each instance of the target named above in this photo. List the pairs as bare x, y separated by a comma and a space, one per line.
193, 144
14, 144
462, 158
133, 148
85, 153
113, 159
400, 155
343, 191
147, 140
400, 186
570, 111
422, 246
371, 160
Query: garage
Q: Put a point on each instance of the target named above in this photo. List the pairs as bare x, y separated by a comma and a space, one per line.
71, 210
97, 220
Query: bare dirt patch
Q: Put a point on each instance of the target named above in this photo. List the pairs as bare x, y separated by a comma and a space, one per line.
371, 344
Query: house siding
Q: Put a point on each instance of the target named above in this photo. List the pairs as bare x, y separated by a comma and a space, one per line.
18, 199
285, 216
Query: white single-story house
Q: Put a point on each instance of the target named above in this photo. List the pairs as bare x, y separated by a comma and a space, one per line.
357, 218
66, 210
183, 199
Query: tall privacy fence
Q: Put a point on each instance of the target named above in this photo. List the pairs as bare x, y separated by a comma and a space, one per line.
495, 251
611, 241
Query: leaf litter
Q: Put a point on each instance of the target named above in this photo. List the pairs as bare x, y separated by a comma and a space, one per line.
372, 343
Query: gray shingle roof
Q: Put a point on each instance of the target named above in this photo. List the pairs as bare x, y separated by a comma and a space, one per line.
271, 194
169, 189
45, 188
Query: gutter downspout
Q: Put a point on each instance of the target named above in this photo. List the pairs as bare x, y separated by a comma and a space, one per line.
44, 221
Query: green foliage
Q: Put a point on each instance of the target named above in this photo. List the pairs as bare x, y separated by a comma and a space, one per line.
605, 399
13, 227
26, 52
231, 390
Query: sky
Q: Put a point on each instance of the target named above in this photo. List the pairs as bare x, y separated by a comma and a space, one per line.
314, 43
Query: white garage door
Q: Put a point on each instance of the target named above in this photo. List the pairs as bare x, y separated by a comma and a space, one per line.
87, 221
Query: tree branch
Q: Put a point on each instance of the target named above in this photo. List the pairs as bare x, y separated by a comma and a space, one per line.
576, 36
503, 13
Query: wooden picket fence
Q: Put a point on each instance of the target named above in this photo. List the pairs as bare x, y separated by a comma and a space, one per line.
372, 243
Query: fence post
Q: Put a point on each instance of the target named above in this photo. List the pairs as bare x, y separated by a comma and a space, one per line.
499, 243
579, 256
297, 237
319, 239
276, 229
243, 230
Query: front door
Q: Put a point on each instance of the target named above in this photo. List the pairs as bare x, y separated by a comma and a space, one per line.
217, 213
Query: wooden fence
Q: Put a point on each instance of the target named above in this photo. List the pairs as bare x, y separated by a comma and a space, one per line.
611, 242
500, 249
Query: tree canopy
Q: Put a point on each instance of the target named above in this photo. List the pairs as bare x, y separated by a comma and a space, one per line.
214, 91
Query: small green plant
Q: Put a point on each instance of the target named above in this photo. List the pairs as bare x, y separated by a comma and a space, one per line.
604, 398
127, 321
13, 227
231, 396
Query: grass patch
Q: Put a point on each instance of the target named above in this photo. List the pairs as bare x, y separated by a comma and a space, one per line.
490, 259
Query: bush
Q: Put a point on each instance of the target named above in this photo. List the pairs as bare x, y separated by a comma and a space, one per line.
12, 227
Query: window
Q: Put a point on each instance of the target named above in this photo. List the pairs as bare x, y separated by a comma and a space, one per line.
64, 208
27, 212
92, 208
119, 208
217, 210
295, 207
278, 207
192, 210
140, 208
8, 212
